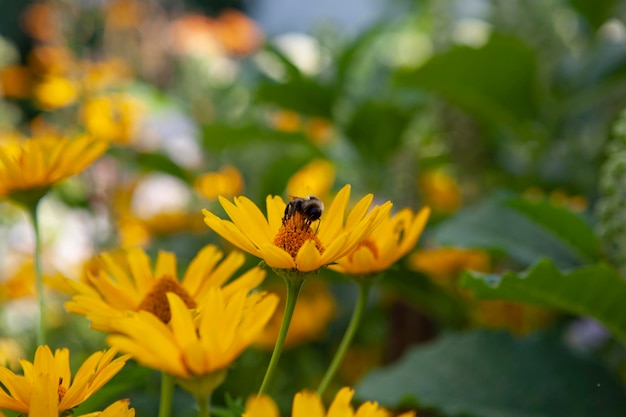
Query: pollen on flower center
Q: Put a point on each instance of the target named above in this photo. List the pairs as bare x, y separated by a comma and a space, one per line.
156, 302
294, 233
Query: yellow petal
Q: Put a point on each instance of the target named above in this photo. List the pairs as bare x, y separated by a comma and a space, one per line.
340, 406
261, 406
307, 404
275, 257
230, 232
332, 220
358, 211
275, 212
165, 265
308, 257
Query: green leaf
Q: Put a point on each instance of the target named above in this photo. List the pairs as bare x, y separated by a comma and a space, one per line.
302, 95
568, 226
494, 374
595, 12
521, 231
221, 136
376, 128
596, 290
497, 83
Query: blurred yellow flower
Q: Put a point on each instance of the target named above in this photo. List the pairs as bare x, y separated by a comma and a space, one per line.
296, 245
51, 60
318, 130
124, 281
392, 238
112, 117
227, 182
315, 301
196, 345
46, 389
440, 190
309, 404
15, 82
516, 317
117, 409
54, 92
445, 264
10, 353
315, 178
39, 163
286, 121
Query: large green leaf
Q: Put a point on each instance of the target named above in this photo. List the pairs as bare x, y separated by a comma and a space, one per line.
494, 374
525, 231
302, 95
497, 82
594, 290
595, 12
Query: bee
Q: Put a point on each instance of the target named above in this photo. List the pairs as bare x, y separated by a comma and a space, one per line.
310, 209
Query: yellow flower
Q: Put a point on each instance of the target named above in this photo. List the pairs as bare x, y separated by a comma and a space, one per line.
191, 346
445, 264
440, 190
287, 121
228, 181
394, 237
315, 178
47, 389
40, 163
117, 409
113, 117
10, 352
309, 404
54, 92
314, 301
15, 81
296, 245
125, 282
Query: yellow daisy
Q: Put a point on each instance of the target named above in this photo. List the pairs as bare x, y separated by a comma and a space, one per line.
227, 181
117, 409
309, 404
46, 389
195, 346
296, 245
390, 240
38, 163
124, 281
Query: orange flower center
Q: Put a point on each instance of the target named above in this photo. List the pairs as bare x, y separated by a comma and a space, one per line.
294, 233
366, 243
156, 302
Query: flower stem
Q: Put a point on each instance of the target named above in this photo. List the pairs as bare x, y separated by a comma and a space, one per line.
293, 289
41, 328
203, 405
167, 394
355, 320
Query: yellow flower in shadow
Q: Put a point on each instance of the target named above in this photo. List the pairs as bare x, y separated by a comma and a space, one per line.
392, 238
47, 389
196, 344
444, 265
315, 178
124, 282
309, 404
296, 244
315, 301
40, 163
228, 181
441, 191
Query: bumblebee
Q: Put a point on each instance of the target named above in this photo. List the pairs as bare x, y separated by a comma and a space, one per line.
310, 209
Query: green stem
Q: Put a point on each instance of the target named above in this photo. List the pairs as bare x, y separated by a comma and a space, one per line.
355, 320
293, 289
41, 328
203, 405
167, 395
